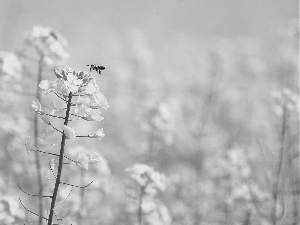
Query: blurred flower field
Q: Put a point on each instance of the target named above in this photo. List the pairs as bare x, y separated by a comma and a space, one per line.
194, 134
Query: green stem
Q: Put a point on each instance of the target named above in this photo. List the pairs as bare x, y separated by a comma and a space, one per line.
60, 164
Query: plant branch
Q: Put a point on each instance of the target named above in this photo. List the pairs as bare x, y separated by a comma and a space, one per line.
49, 153
56, 128
57, 218
36, 195
60, 97
32, 211
64, 198
72, 185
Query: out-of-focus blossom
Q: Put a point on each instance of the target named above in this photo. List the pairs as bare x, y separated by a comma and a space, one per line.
145, 175
103, 167
154, 212
238, 163
94, 157
285, 100
10, 67
158, 215
10, 211
98, 134
161, 117
70, 132
14, 124
47, 42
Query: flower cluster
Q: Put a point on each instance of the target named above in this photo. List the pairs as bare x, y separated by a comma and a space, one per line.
146, 176
79, 83
86, 104
47, 42
285, 100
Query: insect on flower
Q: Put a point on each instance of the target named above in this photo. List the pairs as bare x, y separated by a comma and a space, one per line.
96, 68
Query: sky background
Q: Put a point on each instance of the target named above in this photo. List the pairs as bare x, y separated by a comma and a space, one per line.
160, 21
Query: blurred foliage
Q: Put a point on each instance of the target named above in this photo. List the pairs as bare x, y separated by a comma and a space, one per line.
204, 116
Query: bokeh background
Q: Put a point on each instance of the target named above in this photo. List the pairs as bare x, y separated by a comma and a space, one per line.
197, 89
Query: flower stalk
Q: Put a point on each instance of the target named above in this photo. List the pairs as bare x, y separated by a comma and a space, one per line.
69, 84
140, 207
60, 164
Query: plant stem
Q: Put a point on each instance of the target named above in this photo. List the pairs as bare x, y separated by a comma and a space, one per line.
278, 172
140, 209
36, 135
60, 164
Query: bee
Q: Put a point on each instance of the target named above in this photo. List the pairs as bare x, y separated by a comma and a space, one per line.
96, 68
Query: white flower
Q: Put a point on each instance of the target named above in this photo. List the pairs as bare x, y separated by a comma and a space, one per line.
36, 106
80, 103
70, 132
89, 117
52, 164
83, 160
100, 100
98, 134
91, 88
62, 88
46, 115
48, 42
145, 175
47, 86
46, 119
